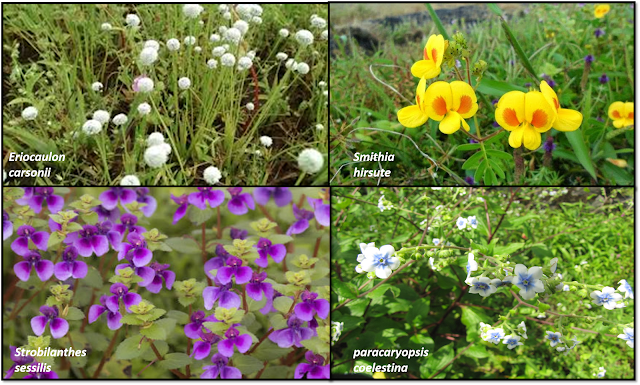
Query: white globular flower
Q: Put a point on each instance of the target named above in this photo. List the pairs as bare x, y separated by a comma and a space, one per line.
607, 298
250, 106
130, 180
212, 63
233, 36
554, 265
251, 55
120, 119
222, 29
241, 26
192, 11
155, 139
324, 35
30, 113
380, 261
625, 288
555, 338
197, 49
152, 44
284, 32
473, 222
461, 223
512, 341
173, 44
291, 64
101, 116
495, 335
144, 108
92, 127
322, 84
218, 51
156, 156
97, 86
281, 56
302, 68
148, 56
628, 335
523, 333
212, 175
256, 20
248, 11
527, 280
226, 15
318, 22
244, 63
106, 27
483, 286
319, 127
184, 83
310, 161
228, 60
143, 84
214, 38
266, 141
304, 37
222, 8
190, 40
166, 147
132, 20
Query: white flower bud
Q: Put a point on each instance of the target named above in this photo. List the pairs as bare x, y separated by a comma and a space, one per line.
319, 127
155, 156
106, 27
29, 113
212, 175
266, 141
173, 44
130, 180
244, 63
241, 26
228, 60
302, 68
120, 119
132, 20
218, 51
148, 56
152, 44
214, 38
155, 139
212, 63
324, 35
192, 11
197, 49
101, 116
233, 35
190, 40
256, 20
184, 83
97, 86
310, 161
250, 106
144, 108
145, 84
92, 127
281, 56
291, 64
284, 32
304, 37
318, 22
322, 84
166, 147
226, 15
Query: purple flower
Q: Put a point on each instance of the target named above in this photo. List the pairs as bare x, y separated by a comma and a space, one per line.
183, 204
470, 180
549, 146
216, 262
7, 226
69, 267
234, 268
495, 124
111, 197
222, 293
473, 141
113, 317
580, 5
315, 370
302, 220
310, 305
604, 79
20, 245
17, 361
114, 237
44, 268
204, 195
265, 248
281, 195
201, 349
239, 203
146, 273
36, 196
220, 367
89, 240
128, 222
600, 119
35, 375
256, 287
57, 325
144, 197
103, 213
192, 329
121, 292
588, 59
551, 83
160, 272
234, 338
292, 335
598, 32
137, 247
321, 211
239, 233
527, 85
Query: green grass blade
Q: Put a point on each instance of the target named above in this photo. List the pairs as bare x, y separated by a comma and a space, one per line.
494, 8
436, 20
497, 88
581, 151
516, 46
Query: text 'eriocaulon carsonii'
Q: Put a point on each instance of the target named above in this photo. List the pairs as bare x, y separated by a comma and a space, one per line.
373, 157
22, 157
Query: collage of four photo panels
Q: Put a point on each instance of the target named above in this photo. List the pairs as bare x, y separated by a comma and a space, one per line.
342, 191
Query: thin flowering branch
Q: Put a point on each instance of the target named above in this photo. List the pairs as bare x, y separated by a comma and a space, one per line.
513, 195
106, 354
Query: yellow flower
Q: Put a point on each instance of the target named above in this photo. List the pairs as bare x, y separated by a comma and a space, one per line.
433, 53
601, 10
379, 375
567, 120
621, 114
414, 116
525, 116
618, 162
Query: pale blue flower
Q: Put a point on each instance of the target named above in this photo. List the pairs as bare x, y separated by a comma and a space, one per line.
554, 264
628, 336
512, 341
607, 298
554, 338
482, 286
527, 280
472, 265
380, 261
495, 335
625, 288
601, 372
436, 241
473, 222
461, 223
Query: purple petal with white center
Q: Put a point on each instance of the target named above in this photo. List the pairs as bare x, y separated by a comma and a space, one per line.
95, 311
20, 246
59, 328
100, 244
243, 342
38, 323
62, 270
109, 199
113, 321
225, 348
229, 300
142, 256
201, 350
304, 311
230, 373
22, 270
44, 269
35, 202
84, 247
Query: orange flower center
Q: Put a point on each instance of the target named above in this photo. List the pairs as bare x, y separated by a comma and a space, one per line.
465, 104
616, 115
509, 116
539, 118
434, 55
439, 105
630, 116
555, 102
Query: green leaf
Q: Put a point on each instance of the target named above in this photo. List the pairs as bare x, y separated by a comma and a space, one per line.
490, 176
197, 216
74, 314
508, 249
128, 349
477, 351
437, 361
181, 317
468, 147
380, 291
580, 150
219, 327
154, 332
282, 304
268, 351
247, 364
619, 175
497, 88
499, 154
473, 161
54, 239
280, 238
494, 8
277, 321
344, 289
93, 278
316, 345
516, 46
437, 21
543, 306
183, 245
479, 174
496, 168
175, 361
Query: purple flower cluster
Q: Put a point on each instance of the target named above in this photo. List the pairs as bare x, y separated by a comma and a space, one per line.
111, 305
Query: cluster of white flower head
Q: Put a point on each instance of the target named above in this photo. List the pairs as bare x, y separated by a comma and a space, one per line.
266, 141
132, 20
310, 161
304, 37
467, 223
184, 83
212, 175
149, 53
30, 113
157, 152
130, 180
192, 11
301, 68
336, 331
97, 86
318, 22
173, 44
384, 204
244, 63
233, 36
377, 262
249, 12
228, 60
555, 192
